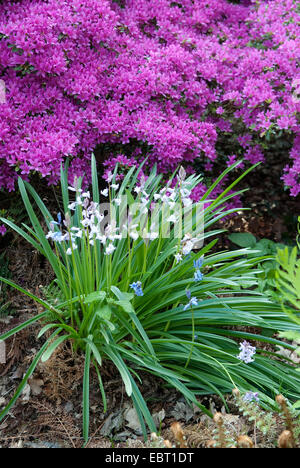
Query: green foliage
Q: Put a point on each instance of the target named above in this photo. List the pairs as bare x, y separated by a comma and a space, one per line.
263, 420
264, 250
192, 347
288, 282
14, 207
243, 239
221, 436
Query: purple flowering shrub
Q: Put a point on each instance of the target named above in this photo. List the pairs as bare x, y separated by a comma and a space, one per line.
160, 78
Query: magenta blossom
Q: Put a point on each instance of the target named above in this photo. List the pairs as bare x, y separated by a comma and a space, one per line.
158, 79
3, 230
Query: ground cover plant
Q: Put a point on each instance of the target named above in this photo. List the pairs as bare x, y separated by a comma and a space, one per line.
183, 82
267, 251
167, 305
223, 436
288, 284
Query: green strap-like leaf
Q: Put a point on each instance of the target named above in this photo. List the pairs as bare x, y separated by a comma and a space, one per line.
24, 234
48, 353
38, 229
95, 350
95, 184
23, 325
103, 394
32, 296
118, 361
86, 394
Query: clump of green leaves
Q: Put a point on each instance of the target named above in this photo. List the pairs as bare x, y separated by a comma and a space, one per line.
141, 302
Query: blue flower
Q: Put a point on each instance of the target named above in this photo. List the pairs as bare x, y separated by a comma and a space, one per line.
57, 236
193, 302
198, 276
198, 263
247, 351
137, 287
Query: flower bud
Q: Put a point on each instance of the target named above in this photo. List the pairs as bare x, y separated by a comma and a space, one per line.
244, 442
286, 440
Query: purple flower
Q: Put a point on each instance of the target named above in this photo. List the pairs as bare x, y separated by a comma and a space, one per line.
2, 230
251, 396
144, 87
220, 110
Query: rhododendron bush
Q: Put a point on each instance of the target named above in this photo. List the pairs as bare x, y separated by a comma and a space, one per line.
158, 78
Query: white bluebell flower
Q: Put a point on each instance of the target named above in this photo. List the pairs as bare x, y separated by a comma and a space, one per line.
104, 192
72, 206
109, 249
109, 177
178, 257
134, 235
74, 189
187, 247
